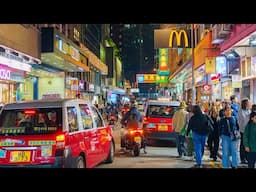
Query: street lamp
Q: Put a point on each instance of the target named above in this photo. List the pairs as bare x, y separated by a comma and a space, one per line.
192, 65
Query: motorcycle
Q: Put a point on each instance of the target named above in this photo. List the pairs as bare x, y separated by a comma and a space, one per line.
134, 140
112, 120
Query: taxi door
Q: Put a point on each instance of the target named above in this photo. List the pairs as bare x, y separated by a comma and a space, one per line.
90, 138
103, 135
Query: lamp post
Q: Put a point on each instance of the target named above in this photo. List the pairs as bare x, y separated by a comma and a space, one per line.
192, 65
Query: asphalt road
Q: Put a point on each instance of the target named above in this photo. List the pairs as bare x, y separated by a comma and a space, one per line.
156, 157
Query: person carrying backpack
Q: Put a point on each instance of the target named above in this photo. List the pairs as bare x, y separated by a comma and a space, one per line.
131, 119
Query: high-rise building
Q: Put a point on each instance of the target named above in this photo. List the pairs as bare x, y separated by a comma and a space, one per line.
136, 45
116, 34
92, 37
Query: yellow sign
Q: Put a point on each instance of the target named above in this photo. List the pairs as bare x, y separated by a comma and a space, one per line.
137, 139
20, 156
178, 34
146, 78
210, 65
162, 127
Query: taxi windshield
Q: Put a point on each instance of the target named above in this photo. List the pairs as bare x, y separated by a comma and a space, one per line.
30, 121
161, 111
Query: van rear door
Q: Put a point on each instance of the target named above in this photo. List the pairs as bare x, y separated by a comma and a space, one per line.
159, 117
31, 136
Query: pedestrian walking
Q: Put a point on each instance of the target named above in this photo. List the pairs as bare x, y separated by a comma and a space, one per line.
249, 140
213, 138
178, 122
243, 119
200, 130
228, 125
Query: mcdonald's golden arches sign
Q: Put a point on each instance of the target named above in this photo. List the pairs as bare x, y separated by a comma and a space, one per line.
172, 38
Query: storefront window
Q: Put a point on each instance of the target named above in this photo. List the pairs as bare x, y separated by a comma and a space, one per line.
7, 92
227, 90
27, 89
246, 88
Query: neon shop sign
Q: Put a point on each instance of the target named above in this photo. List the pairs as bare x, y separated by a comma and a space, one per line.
5, 74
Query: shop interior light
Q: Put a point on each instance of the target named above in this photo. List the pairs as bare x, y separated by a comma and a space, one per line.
232, 53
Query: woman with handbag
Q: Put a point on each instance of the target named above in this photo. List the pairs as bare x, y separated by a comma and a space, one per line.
213, 138
228, 128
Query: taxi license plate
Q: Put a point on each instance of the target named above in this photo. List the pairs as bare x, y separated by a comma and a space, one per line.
137, 139
20, 156
162, 127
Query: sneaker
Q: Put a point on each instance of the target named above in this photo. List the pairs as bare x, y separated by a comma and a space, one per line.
197, 166
188, 158
244, 162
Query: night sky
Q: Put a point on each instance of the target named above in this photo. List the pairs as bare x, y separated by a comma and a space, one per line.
138, 50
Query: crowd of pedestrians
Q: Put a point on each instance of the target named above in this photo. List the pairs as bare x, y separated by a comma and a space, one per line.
227, 126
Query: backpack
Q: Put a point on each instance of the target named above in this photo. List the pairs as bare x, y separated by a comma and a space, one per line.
132, 120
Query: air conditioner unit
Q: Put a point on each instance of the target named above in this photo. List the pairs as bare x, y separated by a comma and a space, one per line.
216, 38
225, 29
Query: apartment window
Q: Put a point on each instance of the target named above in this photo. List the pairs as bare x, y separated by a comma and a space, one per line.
76, 34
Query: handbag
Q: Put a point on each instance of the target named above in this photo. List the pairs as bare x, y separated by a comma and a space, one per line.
184, 130
210, 124
234, 135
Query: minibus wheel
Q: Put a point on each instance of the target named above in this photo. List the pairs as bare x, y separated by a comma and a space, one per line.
111, 153
80, 162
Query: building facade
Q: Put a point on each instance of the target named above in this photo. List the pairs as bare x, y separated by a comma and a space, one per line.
18, 52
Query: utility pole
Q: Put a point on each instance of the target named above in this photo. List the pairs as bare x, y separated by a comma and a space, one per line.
192, 65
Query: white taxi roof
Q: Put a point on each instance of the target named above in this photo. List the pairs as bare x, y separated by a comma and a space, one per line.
49, 103
157, 102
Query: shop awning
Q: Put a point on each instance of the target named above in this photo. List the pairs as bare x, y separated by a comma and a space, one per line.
46, 67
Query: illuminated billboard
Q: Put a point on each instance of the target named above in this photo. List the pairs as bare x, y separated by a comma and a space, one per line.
146, 78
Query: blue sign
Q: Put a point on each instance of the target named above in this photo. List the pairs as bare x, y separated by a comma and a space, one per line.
2, 153
163, 73
140, 79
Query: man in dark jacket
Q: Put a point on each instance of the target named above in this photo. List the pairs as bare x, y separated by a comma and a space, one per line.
198, 123
128, 117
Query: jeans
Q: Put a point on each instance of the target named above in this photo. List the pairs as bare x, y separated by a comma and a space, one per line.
199, 144
229, 148
251, 159
213, 144
243, 153
180, 143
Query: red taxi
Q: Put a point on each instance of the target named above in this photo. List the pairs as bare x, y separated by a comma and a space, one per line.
157, 122
54, 133
125, 108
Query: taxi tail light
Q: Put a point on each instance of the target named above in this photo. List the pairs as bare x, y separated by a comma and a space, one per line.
60, 141
145, 119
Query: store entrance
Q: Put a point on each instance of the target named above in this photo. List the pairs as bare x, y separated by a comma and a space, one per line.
7, 92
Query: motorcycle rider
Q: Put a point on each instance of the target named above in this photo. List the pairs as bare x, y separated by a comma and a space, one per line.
131, 119
112, 111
